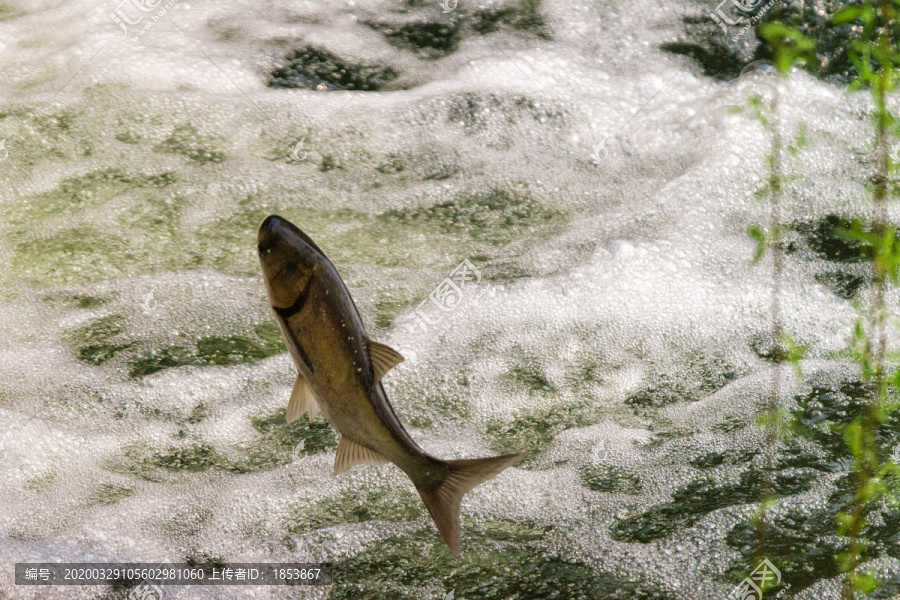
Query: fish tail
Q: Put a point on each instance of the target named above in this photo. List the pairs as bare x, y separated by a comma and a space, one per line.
462, 475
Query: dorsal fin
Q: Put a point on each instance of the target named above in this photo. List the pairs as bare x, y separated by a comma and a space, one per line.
350, 454
303, 399
384, 358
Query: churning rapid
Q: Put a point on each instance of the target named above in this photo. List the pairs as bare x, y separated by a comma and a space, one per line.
541, 210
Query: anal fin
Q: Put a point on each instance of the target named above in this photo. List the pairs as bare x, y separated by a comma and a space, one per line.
303, 399
350, 454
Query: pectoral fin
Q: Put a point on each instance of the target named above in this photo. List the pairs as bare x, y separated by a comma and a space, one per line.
350, 454
383, 359
303, 399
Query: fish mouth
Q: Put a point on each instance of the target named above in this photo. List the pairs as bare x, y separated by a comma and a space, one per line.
288, 260
275, 228
269, 227
270, 233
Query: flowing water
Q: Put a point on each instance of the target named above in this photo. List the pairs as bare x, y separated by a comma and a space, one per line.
613, 325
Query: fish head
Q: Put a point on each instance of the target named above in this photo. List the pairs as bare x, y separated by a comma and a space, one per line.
289, 258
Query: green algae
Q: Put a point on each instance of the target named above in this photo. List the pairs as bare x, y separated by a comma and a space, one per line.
329, 163
495, 217
226, 244
81, 254
357, 506
318, 69
98, 340
610, 479
429, 39
533, 431
317, 436
166, 358
86, 253
7, 11
270, 333
522, 16
89, 302
477, 112
279, 443
41, 484
714, 57
107, 493
198, 414
386, 311
393, 163
440, 399
710, 460
500, 560
187, 141
192, 458
696, 378
212, 351
136, 460
431, 409
702, 496
436, 237
532, 377
92, 189
510, 530
845, 285
56, 122
826, 410
83, 301
234, 350
163, 215
282, 443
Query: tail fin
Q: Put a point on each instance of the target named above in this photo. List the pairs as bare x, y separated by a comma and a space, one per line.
443, 501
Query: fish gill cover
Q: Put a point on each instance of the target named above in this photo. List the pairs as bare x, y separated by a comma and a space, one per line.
599, 182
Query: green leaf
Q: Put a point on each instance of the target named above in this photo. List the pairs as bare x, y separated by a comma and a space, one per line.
865, 583
847, 14
762, 240
757, 233
795, 353
788, 45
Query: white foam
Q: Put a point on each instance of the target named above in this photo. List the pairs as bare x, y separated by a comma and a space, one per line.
648, 277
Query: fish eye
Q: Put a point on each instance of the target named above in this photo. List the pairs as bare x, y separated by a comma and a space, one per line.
264, 249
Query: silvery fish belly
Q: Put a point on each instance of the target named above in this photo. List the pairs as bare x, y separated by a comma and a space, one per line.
340, 370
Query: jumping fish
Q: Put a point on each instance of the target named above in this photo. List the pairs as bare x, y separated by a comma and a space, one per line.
340, 370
